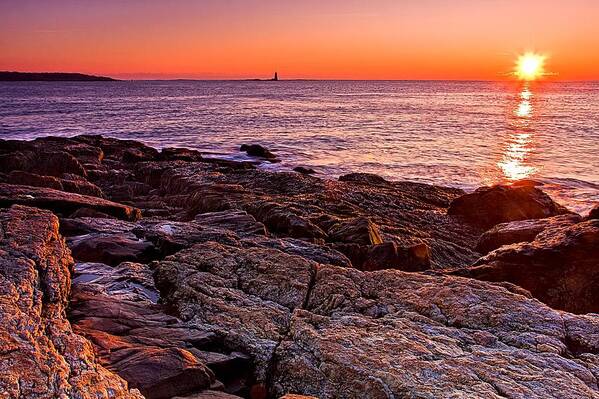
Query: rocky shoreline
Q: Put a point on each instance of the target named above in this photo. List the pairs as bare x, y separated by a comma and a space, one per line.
129, 272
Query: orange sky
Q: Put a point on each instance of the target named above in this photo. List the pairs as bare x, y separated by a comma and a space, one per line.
338, 39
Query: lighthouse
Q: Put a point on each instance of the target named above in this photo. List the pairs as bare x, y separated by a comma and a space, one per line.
276, 77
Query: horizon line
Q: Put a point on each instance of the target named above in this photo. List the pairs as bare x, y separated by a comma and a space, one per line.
249, 79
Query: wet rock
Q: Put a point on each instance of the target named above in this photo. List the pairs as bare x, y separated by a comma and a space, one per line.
304, 170
41, 357
282, 220
111, 249
61, 202
256, 150
594, 213
521, 231
560, 267
355, 231
488, 206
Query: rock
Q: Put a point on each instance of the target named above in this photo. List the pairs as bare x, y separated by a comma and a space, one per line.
61, 202
90, 213
116, 308
256, 150
488, 206
129, 191
282, 220
162, 373
304, 170
41, 357
594, 213
240, 222
359, 230
244, 295
293, 396
68, 182
77, 184
560, 267
31, 179
389, 333
128, 151
307, 250
170, 237
111, 249
94, 224
388, 255
521, 231
208, 394
128, 280
366, 178
180, 154
378, 334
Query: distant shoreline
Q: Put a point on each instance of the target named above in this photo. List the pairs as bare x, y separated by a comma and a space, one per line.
6, 76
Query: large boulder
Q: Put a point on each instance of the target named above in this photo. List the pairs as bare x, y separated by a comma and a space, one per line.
521, 231
488, 206
560, 267
41, 356
594, 213
61, 202
346, 333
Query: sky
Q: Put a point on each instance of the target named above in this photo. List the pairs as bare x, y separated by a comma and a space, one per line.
312, 39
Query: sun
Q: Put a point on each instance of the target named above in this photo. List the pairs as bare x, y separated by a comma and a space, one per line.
530, 66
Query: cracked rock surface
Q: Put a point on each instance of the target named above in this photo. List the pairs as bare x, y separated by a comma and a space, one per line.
203, 278
41, 356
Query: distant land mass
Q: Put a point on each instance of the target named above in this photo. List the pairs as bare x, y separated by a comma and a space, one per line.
50, 77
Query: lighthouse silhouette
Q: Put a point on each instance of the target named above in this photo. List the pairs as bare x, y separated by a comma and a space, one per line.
276, 77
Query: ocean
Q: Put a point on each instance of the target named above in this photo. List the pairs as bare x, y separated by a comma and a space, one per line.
459, 134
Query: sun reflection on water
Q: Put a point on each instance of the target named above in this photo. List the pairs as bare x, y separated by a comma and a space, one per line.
515, 162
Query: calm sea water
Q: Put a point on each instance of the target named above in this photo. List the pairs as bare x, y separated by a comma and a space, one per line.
462, 134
